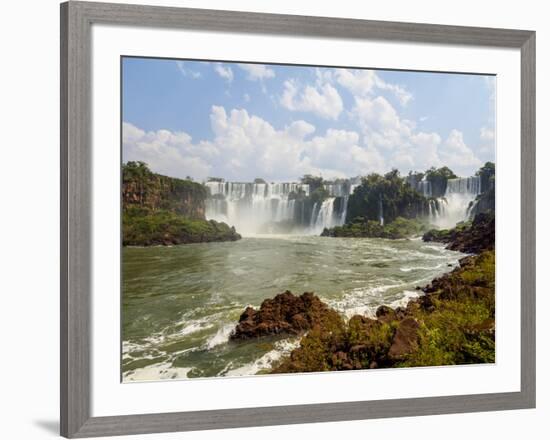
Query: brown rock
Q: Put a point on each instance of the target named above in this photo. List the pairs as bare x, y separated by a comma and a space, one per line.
285, 313
385, 313
405, 340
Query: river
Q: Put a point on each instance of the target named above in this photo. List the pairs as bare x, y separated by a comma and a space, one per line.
180, 303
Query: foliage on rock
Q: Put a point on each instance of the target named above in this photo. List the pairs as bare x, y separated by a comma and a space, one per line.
453, 323
388, 195
161, 210
399, 228
469, 237
143, 227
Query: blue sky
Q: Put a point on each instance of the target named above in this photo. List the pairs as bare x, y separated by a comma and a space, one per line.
241, 121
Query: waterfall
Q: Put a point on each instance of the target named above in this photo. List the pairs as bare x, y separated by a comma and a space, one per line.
324, 218
256, 208
454, 207
251, 206
380, 211
425, 187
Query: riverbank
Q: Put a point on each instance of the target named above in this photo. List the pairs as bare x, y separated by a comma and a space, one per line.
363, 228
162, 210
150, 228
452, 323
181, 303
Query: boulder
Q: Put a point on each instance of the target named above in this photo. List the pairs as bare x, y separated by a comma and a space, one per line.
405, 340
284, 314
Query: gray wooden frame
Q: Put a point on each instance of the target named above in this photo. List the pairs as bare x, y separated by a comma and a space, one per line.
77, 19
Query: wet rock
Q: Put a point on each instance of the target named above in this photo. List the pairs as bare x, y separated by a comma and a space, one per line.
283, 314
470, 239
405, 340
385, 313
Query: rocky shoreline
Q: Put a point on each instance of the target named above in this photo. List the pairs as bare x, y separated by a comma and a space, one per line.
469, 237
452, 323
161, 210
363, 228
164, 228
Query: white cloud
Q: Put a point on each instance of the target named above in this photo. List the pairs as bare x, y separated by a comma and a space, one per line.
257, 71
363, 83
187, 72
246, 97
165, 152
225, 72
246, 146
457, 155
487, 148
359, 82
406, 148
486, 134
380, 123
490, 83
324, 100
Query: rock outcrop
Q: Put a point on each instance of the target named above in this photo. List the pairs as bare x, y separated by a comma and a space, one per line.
162, 210
469, 238
453, 323
284, 314
141, 188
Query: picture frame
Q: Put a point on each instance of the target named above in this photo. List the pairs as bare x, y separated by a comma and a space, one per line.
77, 19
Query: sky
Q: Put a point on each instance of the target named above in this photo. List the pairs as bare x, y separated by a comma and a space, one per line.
279, 122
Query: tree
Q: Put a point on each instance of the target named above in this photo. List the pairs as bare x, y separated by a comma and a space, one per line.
487, 176
438, 178
314, 182
389, 194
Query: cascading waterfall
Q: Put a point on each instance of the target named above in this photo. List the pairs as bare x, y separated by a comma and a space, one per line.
250, 206
455, 206
325, 217
254, 208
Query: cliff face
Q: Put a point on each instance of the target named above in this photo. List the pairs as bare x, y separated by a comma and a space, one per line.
387, 197
161, 210
485, 202
144, 189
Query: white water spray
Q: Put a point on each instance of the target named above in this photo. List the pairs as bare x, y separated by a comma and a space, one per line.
455, 205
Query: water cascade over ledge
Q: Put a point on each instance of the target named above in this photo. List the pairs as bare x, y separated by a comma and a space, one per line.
456, 204
258, 208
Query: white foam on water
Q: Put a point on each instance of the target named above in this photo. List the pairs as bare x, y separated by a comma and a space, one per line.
195, 326
162, 371
411, 268
440, 248
282, 348
221, 336
407, 296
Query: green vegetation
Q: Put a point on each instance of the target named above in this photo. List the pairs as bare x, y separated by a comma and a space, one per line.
143, 227
454, 323
314, 182
458, 326
438, 178
161, 210
399, 228
469, 237
446, 235
389, 195
145, 189
487, 176
485, 201
318, 195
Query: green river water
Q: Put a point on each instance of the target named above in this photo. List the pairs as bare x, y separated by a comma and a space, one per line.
180, 303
